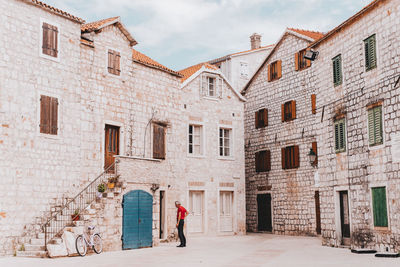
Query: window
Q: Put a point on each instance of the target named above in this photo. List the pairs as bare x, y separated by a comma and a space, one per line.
340, 135
211, 86
337, 70
48, 115
314, 104
379, 206
300, 62
275, 71
50, 40
289, 111
225, 142
261, 118
315, 149
375, 132
159, 141
370, 52
263, 161
244, 70
114, 59
290, 157
195, 140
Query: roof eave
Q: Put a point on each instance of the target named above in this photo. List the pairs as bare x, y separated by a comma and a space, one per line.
158, 68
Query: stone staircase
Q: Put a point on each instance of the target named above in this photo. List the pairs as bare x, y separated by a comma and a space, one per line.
86, 205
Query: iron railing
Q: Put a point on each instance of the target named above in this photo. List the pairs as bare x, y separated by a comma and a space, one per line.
73, 208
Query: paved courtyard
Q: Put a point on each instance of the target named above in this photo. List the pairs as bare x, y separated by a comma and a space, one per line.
232, 251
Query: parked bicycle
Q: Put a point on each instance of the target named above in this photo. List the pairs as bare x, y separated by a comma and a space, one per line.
93, 240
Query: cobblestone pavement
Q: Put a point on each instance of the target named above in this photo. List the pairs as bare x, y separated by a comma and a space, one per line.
232, 251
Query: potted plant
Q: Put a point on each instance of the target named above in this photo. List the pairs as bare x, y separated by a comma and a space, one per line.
75, 217
111, 182
101, 188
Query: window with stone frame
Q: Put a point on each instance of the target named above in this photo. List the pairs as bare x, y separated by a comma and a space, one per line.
340, 135
48, 115
289, 111
159, 132
300, 62
50, 40
263, 161
370, 52
114, 62
275, 70
261, 118
290, 157
337, 70
225, 140
211, 86
375, 127
379, 206
195, 140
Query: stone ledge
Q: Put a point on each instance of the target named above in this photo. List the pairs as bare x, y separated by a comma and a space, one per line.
138, 158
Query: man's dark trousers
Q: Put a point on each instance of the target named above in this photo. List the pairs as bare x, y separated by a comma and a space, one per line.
180, 233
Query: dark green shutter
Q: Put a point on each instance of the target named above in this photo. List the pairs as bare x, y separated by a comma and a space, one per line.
340, 136
337, 70
370, 52
375, 129
379, 206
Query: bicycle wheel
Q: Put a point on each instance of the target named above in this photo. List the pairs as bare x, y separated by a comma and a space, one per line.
80, 245
97, 244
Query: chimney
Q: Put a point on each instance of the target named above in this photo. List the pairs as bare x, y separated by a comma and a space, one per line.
255, 41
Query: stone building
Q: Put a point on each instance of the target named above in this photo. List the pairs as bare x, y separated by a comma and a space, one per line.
357, 72
239, 67
281, 195
80, 108
214, 163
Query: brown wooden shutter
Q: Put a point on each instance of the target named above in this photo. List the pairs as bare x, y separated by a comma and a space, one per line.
53, 115
268, 160
110, 61
308, 62
44, 114
315, 149
313, 104
283, 112
158, 141
293, 104
45, 43
265, 114
117, 64
283, 158
269, 72
55, 41
296, 61
257, 161
256, 120
296, 162
279, 68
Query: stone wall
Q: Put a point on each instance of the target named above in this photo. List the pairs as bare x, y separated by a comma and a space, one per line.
360, 167
292, 190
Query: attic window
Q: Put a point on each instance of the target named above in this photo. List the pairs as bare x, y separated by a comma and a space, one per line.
114, 62
211, 86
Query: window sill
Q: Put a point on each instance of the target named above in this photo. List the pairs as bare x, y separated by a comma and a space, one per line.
55, 59
196, 156
382, 229
340, 151
226, 158
49, 136
376, 146
212, 98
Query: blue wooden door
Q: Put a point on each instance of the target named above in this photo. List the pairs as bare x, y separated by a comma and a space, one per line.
137, 220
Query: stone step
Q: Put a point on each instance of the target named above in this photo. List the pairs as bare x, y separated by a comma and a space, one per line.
37, 241
32, 254
30, 247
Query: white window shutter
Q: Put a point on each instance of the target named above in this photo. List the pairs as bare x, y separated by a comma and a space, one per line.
220, 87
203, 85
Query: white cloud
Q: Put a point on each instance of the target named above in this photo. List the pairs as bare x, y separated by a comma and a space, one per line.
180, 33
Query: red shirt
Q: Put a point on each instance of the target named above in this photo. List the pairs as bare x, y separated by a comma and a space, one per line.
182, 211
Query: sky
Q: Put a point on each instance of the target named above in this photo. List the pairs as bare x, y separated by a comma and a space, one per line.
181, 33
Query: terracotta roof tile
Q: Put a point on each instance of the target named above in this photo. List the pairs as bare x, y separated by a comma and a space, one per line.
186, 73
312, 34
145, 60
96, 25
55, 10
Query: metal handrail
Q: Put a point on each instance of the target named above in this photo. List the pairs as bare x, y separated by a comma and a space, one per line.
79, 203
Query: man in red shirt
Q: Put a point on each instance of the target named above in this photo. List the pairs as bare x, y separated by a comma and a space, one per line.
180, 221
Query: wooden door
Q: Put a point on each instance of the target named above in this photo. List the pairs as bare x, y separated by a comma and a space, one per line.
264, 212
196, 209
344, 216
226, 211
317, 213
111, 145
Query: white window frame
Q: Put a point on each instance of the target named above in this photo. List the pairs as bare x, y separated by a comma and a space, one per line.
56, 59
244, 66
106, 62
202, 140
218, 86
231, 143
